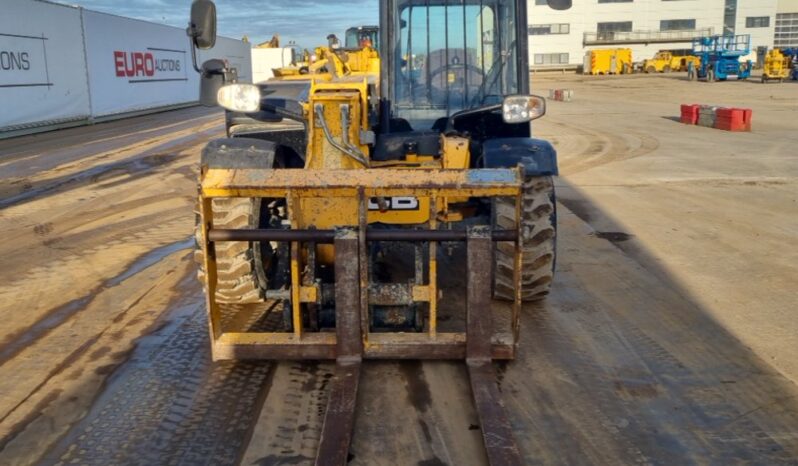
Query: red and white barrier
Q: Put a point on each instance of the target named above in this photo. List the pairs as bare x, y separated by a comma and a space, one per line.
561, 95
727, 119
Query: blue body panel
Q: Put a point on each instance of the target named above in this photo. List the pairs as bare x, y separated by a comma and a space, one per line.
538, 156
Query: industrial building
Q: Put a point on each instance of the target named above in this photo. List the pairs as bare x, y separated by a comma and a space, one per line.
560, 39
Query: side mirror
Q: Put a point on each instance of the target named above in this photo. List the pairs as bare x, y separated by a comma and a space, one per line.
202, 28
559, 4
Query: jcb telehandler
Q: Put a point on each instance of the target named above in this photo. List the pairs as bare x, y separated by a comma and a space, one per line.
437, 149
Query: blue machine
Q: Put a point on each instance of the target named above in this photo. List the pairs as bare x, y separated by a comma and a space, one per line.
792, 54
720, 58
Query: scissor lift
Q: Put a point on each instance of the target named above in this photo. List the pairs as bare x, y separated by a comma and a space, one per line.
720, 58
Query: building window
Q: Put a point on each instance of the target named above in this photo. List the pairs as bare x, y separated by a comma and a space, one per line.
618, 26
677, 25
551, 59
615, 1
541, 2
786, 30
545, 29
757, 21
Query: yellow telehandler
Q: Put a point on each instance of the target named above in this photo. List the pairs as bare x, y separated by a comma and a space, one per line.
434, 149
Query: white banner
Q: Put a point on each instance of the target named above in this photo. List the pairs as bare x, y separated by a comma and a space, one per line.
60, 63
42, 65
135, 65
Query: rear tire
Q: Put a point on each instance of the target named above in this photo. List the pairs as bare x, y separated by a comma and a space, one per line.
539, 234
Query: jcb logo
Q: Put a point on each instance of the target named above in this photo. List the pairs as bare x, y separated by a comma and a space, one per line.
394, 203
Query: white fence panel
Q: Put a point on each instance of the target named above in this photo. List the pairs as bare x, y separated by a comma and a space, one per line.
60, 63
266, 60
42, 65
135, 65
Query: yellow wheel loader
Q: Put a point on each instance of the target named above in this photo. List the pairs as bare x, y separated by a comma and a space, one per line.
322, 176
665, 62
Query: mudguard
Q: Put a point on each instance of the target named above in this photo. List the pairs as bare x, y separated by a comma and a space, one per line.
238, 153
538, 156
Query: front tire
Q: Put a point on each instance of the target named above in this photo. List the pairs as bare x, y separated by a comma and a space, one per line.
239, 266
539, 234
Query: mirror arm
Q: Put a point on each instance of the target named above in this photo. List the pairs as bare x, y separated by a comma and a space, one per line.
193, 50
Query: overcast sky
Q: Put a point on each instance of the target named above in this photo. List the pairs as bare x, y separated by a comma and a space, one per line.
308, 22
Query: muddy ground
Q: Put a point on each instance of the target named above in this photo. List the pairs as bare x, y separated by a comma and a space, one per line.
670, 338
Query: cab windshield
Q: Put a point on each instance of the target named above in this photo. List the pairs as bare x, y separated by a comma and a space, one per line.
452, 56
359, 37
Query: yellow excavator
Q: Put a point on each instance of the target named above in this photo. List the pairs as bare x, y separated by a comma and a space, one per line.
434, 150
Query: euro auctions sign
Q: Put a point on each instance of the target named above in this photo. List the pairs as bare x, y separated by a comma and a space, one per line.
23, 61
150, 65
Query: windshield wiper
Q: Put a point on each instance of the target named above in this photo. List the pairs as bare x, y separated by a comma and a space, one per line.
501, 61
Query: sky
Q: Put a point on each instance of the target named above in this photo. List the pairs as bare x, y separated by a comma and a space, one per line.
307, 22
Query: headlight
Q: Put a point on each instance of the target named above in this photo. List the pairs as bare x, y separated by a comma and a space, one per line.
243, 98
523, 108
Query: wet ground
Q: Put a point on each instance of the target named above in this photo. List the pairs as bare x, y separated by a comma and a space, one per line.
670, 337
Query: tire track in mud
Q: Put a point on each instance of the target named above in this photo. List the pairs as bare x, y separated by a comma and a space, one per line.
614, 380
580, 149
13, 344
293, 414
90, 269
170, 404
42, 280
137, 166
73, 146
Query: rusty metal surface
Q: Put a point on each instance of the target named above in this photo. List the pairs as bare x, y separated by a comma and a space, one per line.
340, 416
497, 434
347, 183
339, 419
328, 236
479, 324
347, 296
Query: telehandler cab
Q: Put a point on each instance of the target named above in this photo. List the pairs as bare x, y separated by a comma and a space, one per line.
436, 149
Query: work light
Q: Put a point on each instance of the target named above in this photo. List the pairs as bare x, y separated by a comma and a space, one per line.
243, 98
523, 108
